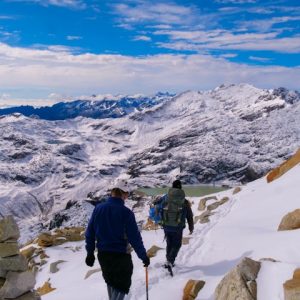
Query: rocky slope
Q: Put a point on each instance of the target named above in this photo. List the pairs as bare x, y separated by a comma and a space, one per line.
231, 134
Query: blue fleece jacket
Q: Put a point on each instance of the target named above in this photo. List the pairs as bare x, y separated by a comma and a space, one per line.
113, 226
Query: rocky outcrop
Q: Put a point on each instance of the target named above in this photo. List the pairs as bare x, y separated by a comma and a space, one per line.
284, 167
192, 288
290, 221
16, 281
60, 236
240, 282
292, 287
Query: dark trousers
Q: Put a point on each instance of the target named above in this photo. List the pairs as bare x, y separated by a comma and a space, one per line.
117, 269
113, 294
174, 242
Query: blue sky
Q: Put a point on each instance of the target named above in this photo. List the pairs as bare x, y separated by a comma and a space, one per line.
51, 49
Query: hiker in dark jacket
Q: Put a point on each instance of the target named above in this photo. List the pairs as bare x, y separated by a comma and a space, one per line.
112, 228
174, 231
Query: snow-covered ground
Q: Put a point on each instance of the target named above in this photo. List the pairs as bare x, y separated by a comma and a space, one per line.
244, 226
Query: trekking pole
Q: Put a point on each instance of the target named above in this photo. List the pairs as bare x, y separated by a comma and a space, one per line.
147, 295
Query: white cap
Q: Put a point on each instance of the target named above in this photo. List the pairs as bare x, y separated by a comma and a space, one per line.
122, 185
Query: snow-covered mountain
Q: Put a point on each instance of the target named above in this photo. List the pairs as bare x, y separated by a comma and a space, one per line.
231, 134
97, 107
245, 226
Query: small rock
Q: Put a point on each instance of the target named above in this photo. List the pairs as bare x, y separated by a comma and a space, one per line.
28, 252
150, 225
185, 240
45, 289
153, 251
236, 190
202, 203
192, 288
213, 206
45, 240
53, 266
91, 272
292, 287
290, 221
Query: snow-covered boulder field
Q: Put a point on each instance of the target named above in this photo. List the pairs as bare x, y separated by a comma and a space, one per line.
246, 225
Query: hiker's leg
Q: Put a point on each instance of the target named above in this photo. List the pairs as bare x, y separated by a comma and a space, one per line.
168, 236
117, 295
176, 245
109, 290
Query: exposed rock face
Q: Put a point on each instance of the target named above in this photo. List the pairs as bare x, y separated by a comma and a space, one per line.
284, 167
290, 221
192, 289
60, 236
292, 287
240, 282
16, 281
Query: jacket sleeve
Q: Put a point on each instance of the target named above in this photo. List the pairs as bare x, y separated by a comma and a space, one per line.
90, 238
189, 215
134, 236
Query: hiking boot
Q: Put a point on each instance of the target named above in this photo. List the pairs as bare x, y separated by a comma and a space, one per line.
168, 264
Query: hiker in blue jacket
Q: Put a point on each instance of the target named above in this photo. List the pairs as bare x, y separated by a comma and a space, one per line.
112, 228
175, 209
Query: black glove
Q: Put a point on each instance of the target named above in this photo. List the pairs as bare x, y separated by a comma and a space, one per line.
90, 259
146, 262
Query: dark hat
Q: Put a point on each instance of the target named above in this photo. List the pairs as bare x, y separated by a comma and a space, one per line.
177, 184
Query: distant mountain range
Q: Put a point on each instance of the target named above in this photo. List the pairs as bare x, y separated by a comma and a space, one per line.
230, 135
113, 107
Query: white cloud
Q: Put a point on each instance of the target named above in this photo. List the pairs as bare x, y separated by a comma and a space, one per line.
226, 40
73, 38
2, 17
75, 4
261, 59
142, 38
151, 12
25, 72
236, 1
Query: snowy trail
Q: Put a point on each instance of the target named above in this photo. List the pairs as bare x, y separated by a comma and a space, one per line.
199, 245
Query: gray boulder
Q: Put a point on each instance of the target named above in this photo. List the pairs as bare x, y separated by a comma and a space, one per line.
9, 249
14, 263
17, 284
240, 282
8, 229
